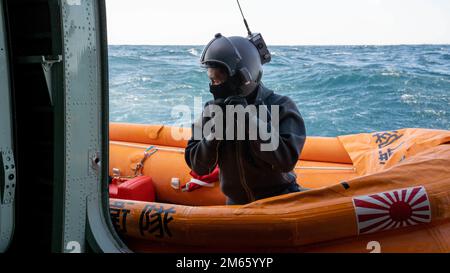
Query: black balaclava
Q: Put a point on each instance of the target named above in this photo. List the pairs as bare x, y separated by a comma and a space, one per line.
224, 90
232, 87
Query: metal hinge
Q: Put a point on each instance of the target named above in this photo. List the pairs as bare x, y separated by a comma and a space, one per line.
8, 179
47, 63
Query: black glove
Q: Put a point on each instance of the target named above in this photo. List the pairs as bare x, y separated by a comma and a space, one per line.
219, 121
220, 102
236, 100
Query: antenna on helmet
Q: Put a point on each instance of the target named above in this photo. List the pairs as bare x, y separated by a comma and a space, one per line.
243, 17
257, 40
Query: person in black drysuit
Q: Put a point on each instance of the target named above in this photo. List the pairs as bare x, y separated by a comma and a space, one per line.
247, 173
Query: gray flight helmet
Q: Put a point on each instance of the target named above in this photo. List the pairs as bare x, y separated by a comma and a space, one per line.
238, 56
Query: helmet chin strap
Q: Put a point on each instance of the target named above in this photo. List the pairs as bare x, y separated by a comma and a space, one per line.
241, 89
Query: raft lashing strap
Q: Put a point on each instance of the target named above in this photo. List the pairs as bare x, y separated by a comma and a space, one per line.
197, 182
147, 153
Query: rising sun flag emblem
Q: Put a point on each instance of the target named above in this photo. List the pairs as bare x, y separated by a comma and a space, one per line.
392, 209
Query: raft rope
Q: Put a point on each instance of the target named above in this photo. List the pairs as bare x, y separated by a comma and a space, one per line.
181, 150
147, 153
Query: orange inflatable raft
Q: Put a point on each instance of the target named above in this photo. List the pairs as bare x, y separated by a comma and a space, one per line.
383, 191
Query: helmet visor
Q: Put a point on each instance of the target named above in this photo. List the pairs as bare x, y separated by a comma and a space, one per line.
221, 52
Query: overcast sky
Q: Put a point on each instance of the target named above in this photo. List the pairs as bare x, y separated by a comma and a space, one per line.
282, 22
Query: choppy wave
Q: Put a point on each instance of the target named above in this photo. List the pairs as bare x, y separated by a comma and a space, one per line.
338, 89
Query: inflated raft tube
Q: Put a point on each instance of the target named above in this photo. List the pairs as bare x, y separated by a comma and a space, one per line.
327, 149
300, 218
410, 194
168, 163
324, 161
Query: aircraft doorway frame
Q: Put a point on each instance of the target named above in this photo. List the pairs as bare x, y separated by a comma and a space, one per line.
76, 76
7, 164
84, 201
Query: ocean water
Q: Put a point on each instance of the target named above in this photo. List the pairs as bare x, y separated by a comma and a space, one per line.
338, 89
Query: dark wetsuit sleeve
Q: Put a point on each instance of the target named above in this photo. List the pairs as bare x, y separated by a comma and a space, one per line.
292, 136
201, 154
